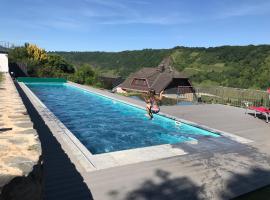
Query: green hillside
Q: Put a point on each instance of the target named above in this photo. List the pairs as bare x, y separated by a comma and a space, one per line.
122, 63
233, 66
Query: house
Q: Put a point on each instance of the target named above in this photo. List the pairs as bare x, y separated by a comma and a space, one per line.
3, 62
110, 81
164, 77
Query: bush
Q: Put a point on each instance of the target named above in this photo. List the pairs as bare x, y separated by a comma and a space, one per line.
39, 63
86, 75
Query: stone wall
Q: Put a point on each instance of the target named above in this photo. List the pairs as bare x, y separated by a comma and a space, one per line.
3, 62
20, 149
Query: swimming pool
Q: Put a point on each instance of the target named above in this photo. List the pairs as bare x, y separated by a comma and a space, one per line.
105, 125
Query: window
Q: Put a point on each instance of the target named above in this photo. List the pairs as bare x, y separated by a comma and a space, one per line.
139, 82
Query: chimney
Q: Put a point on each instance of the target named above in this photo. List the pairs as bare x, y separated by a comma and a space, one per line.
162, 68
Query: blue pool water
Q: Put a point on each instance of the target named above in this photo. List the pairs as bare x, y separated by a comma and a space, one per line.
104, 125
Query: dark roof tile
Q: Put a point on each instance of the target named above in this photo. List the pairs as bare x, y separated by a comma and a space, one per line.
158, 78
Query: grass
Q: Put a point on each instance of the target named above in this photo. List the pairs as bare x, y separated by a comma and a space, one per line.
263, 193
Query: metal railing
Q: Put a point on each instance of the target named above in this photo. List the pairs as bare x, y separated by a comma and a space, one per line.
7, 45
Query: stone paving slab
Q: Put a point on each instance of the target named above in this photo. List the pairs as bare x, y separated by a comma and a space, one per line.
19, 143
229, 168
226, 118
212, 168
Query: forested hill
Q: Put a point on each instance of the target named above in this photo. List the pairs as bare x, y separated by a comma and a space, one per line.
121, 63
233, 66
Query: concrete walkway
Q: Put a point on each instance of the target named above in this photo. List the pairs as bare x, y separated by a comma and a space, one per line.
214, 168
226, 118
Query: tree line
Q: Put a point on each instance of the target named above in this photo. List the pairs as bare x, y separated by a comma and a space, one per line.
42, 64
231, 66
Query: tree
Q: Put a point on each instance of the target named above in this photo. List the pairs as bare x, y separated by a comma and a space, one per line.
59, 63
36, 53
85, 75
39, 63
18, 54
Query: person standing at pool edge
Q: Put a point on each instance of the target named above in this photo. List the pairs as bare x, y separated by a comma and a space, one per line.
152, 103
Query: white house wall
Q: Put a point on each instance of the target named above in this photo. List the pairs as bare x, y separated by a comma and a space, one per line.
3, 62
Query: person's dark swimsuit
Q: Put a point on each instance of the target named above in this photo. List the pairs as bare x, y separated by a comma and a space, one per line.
154, 107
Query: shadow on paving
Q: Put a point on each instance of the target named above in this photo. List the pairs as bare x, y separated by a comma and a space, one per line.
166, 188
61, 179
212, 151
242, 180
263, 193
259, 116
182, 188
224, 155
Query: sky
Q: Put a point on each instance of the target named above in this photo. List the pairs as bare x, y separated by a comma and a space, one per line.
117, 25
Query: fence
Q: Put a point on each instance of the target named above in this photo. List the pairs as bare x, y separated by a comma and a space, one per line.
186, 93
223, 95
233, 96
6, 45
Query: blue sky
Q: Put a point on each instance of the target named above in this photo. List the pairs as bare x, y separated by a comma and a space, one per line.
116, 25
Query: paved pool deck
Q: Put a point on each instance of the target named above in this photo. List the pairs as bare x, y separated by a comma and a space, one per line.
213, 168
227, 118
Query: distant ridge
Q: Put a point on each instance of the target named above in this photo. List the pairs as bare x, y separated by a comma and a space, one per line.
233, 66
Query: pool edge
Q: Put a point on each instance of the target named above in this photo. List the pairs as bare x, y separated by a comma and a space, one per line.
234, 137
90, 162
83, 156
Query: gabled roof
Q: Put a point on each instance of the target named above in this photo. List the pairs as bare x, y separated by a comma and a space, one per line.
157, 78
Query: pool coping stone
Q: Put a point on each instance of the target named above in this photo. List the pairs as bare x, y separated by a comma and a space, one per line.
90, 162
